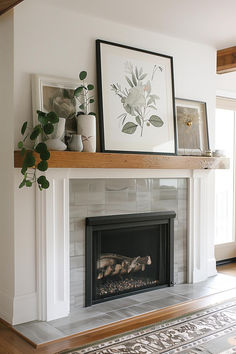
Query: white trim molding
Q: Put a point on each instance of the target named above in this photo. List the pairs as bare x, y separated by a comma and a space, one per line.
6, 307
25, 308
52, 225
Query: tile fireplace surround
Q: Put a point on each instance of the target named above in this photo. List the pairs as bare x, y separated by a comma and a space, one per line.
97, 197
77, 193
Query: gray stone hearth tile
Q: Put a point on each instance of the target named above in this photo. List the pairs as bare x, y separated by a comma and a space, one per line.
115, 304
192, 292
151, 295
170, 300
130, 311
39, 332
83, 325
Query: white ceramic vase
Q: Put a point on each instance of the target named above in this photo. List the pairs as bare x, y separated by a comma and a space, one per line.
54, 142
86, 126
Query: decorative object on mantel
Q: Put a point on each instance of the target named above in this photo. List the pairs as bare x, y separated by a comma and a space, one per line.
208, 153
86, 120
219, 153
54, 141
192, 127
56, 94
45, 126
136, 100
75, 142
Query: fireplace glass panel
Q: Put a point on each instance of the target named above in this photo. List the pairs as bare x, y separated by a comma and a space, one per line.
129, 259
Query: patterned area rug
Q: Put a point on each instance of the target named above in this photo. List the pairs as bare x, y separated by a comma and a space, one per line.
210, 331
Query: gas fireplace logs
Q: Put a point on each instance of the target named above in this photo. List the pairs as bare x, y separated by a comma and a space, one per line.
115, 264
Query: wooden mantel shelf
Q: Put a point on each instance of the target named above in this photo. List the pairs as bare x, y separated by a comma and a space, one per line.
72, 159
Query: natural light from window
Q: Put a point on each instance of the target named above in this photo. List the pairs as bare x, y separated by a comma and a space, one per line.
225, 140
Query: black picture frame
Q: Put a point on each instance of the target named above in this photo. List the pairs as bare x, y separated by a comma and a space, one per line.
170, 118
189, 146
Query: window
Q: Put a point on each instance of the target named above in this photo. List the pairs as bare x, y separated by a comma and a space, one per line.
225, 186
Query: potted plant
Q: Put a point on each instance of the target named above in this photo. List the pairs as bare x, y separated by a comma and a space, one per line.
45, 126
86, 120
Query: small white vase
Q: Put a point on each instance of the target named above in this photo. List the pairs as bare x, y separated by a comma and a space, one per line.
54, 142
86, 126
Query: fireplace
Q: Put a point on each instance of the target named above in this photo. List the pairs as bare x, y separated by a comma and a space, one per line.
127, 254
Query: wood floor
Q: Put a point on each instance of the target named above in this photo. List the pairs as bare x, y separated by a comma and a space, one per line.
228, 269
12, 343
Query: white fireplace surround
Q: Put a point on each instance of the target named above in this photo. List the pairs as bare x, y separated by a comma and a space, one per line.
52, 225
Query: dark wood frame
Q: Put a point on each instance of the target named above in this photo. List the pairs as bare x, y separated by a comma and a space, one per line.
100, 97
110, 222
207, 130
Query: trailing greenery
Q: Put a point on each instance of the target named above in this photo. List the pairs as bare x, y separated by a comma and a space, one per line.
84, 95
29, 166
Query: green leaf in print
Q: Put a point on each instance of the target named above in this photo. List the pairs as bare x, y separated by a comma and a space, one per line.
129, 81
138, 120
129, 128
143, 76
156, 121
134, 79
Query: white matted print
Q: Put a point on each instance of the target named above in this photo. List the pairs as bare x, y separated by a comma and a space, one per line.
192, 127
55, 94
136, 100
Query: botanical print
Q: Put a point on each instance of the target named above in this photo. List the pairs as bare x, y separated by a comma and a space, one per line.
135, 89
188, 128
140, 103
61, 101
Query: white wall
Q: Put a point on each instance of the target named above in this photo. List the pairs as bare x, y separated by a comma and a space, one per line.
6, 168
49, 40
226, 84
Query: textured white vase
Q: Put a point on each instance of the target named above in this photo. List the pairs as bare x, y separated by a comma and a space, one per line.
86, 126
54, 142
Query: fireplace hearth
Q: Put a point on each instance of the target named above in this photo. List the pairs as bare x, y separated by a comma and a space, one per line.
127, 254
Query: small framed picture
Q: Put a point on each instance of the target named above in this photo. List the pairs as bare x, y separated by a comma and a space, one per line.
136, 100
56, 94
192, 128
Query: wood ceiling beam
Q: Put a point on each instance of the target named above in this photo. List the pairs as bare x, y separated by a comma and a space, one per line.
6, 5
226, 60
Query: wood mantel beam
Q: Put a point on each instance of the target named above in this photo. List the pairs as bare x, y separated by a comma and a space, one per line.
72, 159
226, 60
6, 5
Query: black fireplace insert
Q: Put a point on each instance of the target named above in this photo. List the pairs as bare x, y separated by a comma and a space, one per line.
127, 254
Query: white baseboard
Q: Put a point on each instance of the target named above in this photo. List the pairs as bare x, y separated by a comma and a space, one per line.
6, 307
211, 267
25, 308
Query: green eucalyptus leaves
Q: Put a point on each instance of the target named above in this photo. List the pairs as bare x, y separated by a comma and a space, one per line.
29, 167
84, 95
